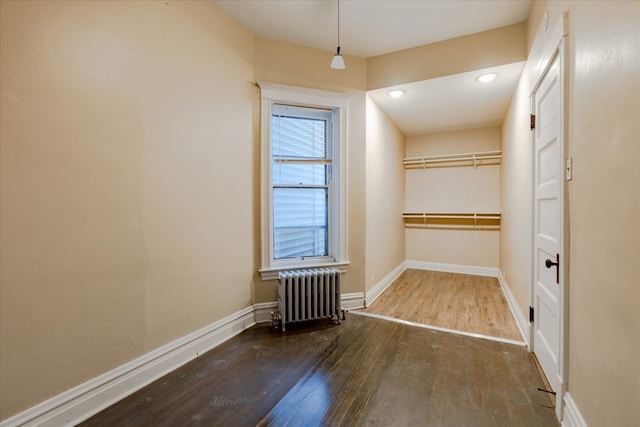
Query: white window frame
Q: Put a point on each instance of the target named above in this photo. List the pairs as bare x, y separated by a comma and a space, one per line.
272, 94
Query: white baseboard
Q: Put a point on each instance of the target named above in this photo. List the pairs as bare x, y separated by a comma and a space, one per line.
83, 401
263, 311
521, 320
352, 301
454, 268
572, 416
373, 293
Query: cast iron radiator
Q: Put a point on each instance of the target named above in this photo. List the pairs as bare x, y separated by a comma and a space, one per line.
308, 295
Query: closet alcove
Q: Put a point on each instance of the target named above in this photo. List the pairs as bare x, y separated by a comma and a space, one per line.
452, 197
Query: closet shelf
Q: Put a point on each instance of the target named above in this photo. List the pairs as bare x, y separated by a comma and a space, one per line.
475, 159
452, 220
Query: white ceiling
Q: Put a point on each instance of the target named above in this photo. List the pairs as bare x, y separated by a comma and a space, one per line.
374, 27
451, 103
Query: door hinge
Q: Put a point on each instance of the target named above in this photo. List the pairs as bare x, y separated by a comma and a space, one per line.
531, 317
533, 121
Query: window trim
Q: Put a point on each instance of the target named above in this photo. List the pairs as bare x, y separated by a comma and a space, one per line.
271, 94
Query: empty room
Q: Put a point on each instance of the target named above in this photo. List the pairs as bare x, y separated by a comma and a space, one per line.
319, 213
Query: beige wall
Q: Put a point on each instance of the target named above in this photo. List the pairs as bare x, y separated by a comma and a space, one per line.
385, 243
500, 46
603, 200
516, 197
123, 125
453, 189
119, 136
284, 63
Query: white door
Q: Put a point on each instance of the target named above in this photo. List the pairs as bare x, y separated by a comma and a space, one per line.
548, 207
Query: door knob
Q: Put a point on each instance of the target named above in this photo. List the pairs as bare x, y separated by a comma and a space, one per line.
548, 263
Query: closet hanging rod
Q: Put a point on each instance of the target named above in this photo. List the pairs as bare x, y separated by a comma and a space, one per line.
451, 215
461, 220
451, 156
421, 161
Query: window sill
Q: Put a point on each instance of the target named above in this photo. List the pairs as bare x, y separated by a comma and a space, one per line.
272, 273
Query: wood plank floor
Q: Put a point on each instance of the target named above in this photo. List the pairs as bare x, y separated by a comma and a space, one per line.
363, 372
461, 302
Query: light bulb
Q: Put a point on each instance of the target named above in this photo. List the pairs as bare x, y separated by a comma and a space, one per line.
486, 78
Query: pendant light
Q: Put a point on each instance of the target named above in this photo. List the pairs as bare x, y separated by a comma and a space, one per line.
337, 63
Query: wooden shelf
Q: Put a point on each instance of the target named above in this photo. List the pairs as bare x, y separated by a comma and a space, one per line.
480, 158
452, 220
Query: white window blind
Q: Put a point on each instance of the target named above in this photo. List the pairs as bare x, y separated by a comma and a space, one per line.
301, 173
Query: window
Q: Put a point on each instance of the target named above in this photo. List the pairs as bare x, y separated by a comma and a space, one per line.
303, 179
300, 178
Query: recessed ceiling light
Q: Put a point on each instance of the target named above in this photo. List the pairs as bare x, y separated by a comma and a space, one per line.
486, 78
396, 93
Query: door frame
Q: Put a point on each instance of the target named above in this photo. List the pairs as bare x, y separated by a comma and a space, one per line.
556, 44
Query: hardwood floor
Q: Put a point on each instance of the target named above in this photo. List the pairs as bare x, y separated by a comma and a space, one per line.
363, 372
462, 302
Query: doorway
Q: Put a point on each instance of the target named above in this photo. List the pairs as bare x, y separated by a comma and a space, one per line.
549, 281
